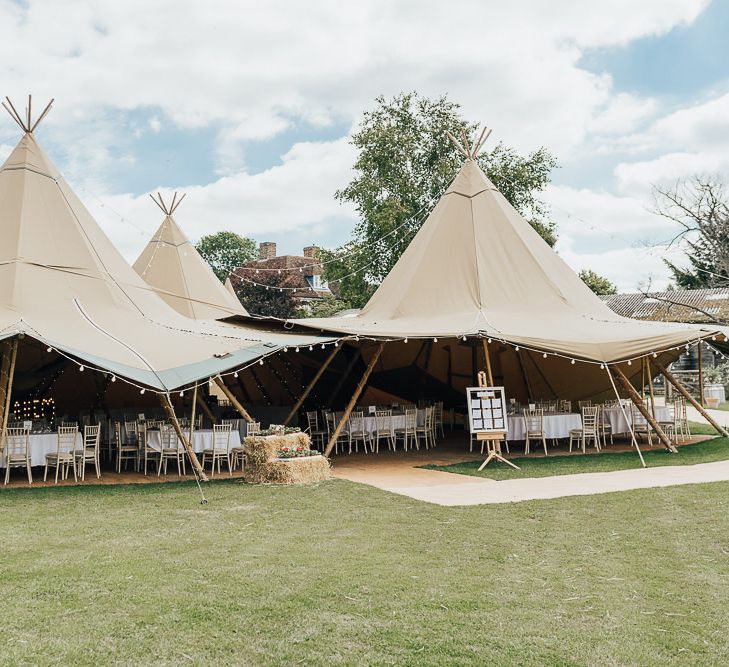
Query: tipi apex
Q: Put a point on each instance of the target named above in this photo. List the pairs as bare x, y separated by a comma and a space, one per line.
172, 266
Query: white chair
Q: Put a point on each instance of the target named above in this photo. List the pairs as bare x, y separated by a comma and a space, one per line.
565, 406
584, 404
237, 454
407, 432
356, 432
534, 429
438, 418
220, 451
171, 449
125, 451
589, 431
424, 431
145, 452
604, 426
316, 434
63, 459
17, 451
383, 429
88, 452
641, 427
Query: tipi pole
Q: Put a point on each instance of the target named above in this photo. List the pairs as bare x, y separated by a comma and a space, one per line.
682, 390
353, 400
311, 384
650, 387
167, 405
4, 368
8, 384
233, 400
206, 408
625, 416
192, 411
487, 356
701, 375
635, 397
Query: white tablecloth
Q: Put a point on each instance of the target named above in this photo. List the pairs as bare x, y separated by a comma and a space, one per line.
614, 416
201, 439
398, 421
42, 444
555, 425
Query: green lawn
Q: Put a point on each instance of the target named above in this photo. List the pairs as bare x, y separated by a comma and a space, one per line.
346, 574
716, 449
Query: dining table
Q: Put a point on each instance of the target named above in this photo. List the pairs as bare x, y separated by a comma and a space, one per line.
41, 444
202, 439
556, 425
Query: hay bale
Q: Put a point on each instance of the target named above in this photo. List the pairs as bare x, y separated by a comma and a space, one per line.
263, 466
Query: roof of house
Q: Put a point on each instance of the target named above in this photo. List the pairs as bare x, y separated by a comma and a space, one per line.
696, 306
288, 278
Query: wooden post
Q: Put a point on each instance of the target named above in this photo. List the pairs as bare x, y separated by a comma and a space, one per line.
701, 375
167, 405
233, 400
353, 400
347, 372
206, 408
192, 411
311, 384
682, 390
650, 387
635, 397
486, 354
4, 368
8, 385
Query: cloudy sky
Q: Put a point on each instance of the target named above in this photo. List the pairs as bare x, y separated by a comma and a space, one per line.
247, 106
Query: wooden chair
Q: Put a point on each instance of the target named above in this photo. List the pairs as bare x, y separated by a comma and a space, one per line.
671, 425
220, 451
589, 430
424, 432
534, 429
171, 449
641, 427
438, 418
604, 426
684, 428
332, 419
17, 451
237, 454
407, 432
356, 432
125, 451
88, 452
316, 434
383, 429
565, 406
584, 404
145, 452
63, 459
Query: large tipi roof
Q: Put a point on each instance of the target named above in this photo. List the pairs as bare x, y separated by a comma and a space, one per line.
62, 282
172, 266
477, 267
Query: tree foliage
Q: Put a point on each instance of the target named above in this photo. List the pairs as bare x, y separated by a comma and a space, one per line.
225, 251
266, 298
700, 207
597, 283
326, 307
405, 164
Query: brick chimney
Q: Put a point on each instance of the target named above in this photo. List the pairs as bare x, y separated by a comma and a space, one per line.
267, 250
311, 252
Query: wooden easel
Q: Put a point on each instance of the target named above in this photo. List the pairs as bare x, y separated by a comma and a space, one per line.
493, 440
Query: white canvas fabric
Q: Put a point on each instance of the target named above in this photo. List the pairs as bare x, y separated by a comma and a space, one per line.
172, 266
62, 282
476, 267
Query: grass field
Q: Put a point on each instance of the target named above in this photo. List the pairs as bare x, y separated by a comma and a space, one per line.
716, 449
346, 574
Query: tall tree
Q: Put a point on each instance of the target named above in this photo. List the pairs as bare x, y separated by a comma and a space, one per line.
405, 164
597, 283
700, 207
225, 251
266, 298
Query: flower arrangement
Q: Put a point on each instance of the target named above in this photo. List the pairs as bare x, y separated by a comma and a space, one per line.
296, 452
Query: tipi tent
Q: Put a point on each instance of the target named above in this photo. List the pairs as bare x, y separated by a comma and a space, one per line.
476, 271
172, 266
63, 283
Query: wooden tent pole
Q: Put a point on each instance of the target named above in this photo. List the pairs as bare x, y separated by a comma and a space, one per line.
682, 390
4, 368
192, 411
642, 378
353, 400
487, 356
206, 408
635, 397
629, 422
650, 387
9, 389
311, 384
701, 376
233, 400
525, 375
347, 372
167, 405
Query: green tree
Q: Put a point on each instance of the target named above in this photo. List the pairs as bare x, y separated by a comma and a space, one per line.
326, 307
264, 296
404, 165
700, 208
597, 283
225, 251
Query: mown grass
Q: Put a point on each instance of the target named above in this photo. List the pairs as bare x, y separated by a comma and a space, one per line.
344, 574
716, 449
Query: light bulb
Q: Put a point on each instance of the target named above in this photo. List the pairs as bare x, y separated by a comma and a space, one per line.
297, 349
260, 362
81, 368
235, 375
142, 391
516, 349
545, 355
113, 378
572, 362
630, 363
49, 349
435, 340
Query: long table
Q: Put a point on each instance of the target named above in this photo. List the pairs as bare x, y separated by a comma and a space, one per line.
616, 419
556, 425
201, 439
41, 444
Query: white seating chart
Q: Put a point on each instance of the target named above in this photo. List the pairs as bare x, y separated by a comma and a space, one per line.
486, 409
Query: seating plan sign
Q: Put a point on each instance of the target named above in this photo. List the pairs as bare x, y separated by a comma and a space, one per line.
486, 409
